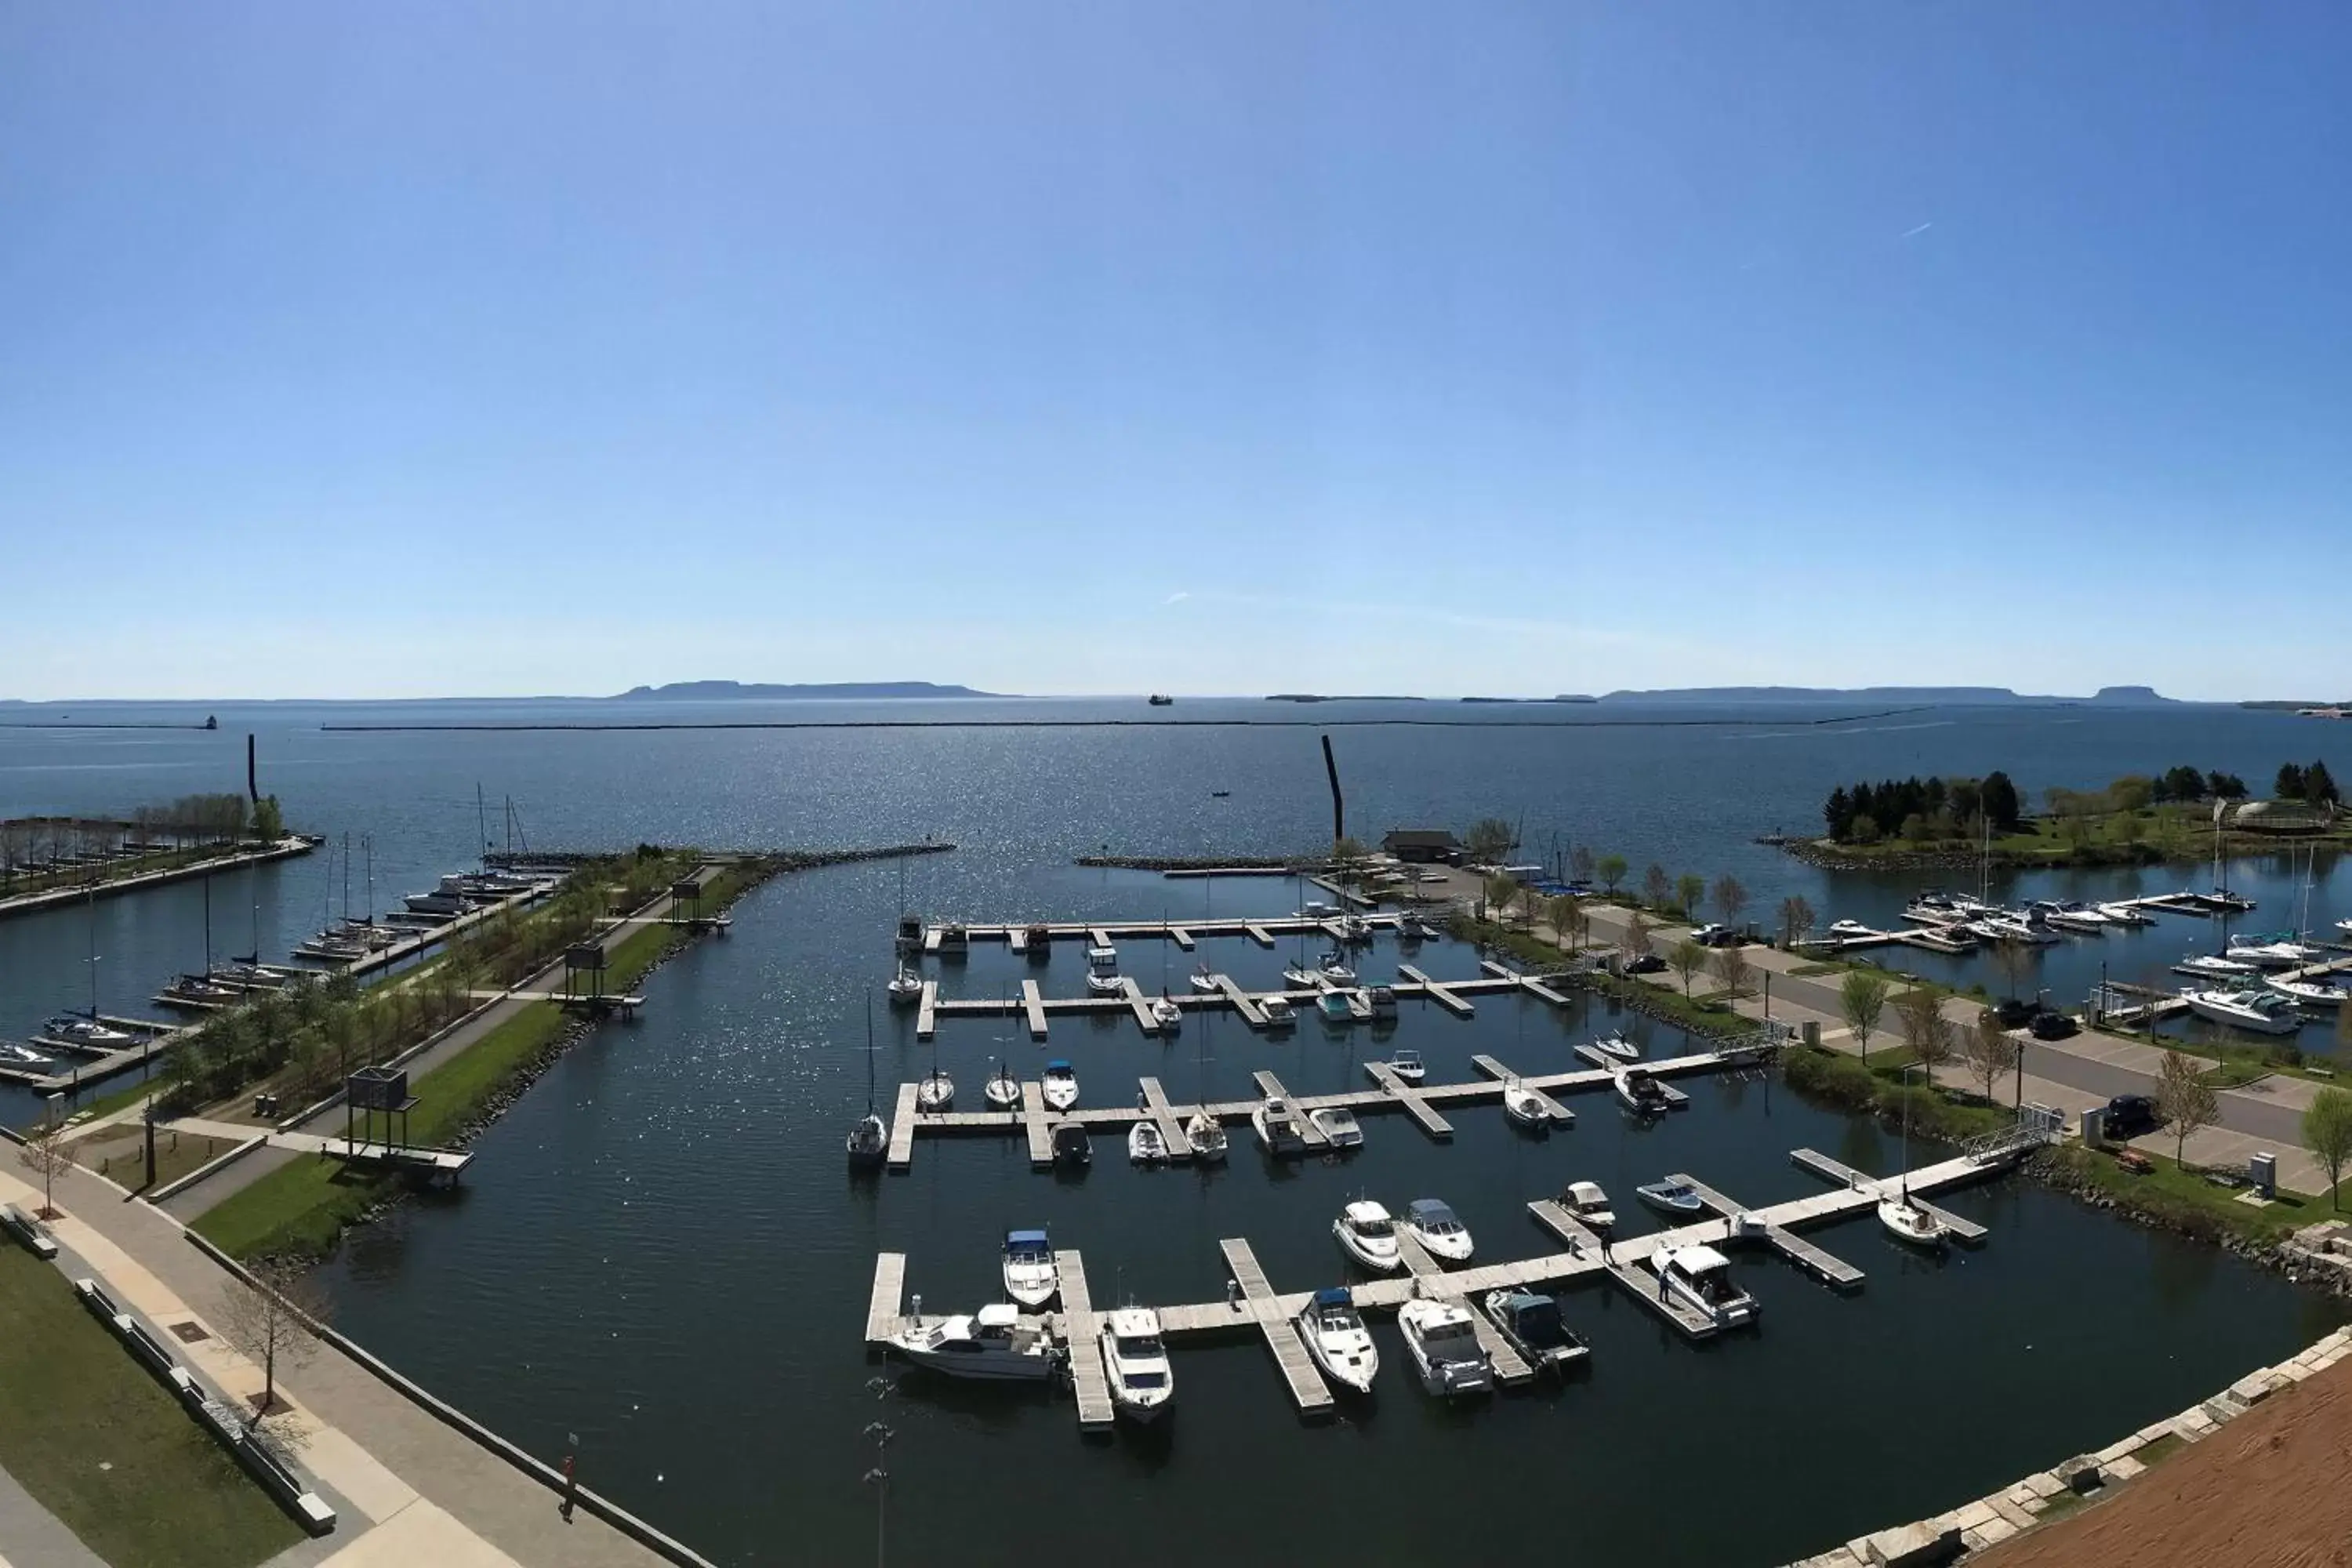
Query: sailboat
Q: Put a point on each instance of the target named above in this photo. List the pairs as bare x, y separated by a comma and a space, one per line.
869, 1138
937, 1092
1904, 1220
1003, 1090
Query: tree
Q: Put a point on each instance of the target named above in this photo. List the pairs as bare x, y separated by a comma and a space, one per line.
1569, 919
1636, 941
1496, 893
48, 1156
1611, 869
1689, 889
2000, 802
1732, 968
2182, 784
1837, 813
1581, 864
1687, 958
1938, 1044
1489, 841
1862, 998
2289, 784
275, 1320
1656, 886
1991, 1051
2184, 1099
2225, 786
1730, 897
269, 821
1917, 1012
1347, 858
2327, 1132
2016, 961
2319, 785
1796, 921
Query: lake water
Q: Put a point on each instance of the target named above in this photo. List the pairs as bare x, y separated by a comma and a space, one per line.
660, 1250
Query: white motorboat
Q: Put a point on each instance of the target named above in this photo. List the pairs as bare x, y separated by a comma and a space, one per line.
2310, 993
1849, 929
197, 988
1906, 1221
448, 898
2125, 915
1134, 1359
1439, 1230
1277, 1012
1700, 1276
1334, 969
1679, 1199
1003, 1090
1354, 929
2274, 953
1333, 1008
15, 1055
1298, 977
2219, 968
2067, 916
1588, 1203
2003, 927
1444, 1344
1408, 1066
905, 987
1618, 1046
1383, 1000
1336, 1337
1339, 1126
1524, 1107
934, 1093
1641, 1093
1059, 1086
1102, 971
2345, 926
1071, 1145
74, 1029
1277, 1128
993, 1344
2261, 1012
1204, 981
1205, 1135
1315, 909
1032, 1277
1166, 1016
1367, 1234
1145, 1144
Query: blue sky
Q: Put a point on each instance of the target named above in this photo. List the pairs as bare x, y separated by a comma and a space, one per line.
467, 348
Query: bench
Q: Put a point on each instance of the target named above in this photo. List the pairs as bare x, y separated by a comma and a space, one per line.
2132, 1159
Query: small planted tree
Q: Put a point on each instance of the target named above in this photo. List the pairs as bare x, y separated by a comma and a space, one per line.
1861, 999
1730, 897
1498, 894
1656, 886
1690, 891
1637, 936
1611, 869
1918, 1011
2016, 961
48, 1156
2185, 1100
2327, 1134
1733, 969
1581, 863
1937, 1044
1489, 842
1991, 1051
274, 1325
1687, 958
1568, 918
1797, 919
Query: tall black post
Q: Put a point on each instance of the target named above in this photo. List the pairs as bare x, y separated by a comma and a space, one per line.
1339, 806
252, 779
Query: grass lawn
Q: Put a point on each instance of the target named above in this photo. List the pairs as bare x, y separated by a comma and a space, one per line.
100, 1445
2182, 1194
123, 1159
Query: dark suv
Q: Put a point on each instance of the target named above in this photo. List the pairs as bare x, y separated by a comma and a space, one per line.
2128, 1115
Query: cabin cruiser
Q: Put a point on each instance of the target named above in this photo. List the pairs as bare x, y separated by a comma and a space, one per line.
1444, 1344
447, 898
910, 935
2125, 915
1134, 1359
955, 940
1382, 999
1906, 1220
2006, 927
1367, 1234
1277, 1129
992, 1343
1408, 1066
2209, 964
869, 1141
2067, 916
1031, 1274
1530, 1322
1618, 1046
1641, 1093
197, 988
1700, 1278
1059, 1086
2345, 926
1940, 908
1588, 1203
2222, 900
1315, 909
2272, 953
1071, 1144
1439, 1231
2262, 1012
1339, 1126
1336, 1337
2310, 993
1003, 1090
1356, 929
1849, 929
1334, 969
1334, 1007
1205, 1135
1166, 1016
1204, 981
1145, 1145
1277, 1012
1679, 1198
14, 1055
250, 976
1102, 971
75, 1030
905, 987
1524, 1107
936, 1092
1037, 943
1298, 977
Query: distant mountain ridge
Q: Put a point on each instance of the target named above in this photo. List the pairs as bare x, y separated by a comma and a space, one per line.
2106, 696
738, 691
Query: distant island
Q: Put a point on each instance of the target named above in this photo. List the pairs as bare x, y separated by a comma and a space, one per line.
1319, 697
739, 692
2106, 696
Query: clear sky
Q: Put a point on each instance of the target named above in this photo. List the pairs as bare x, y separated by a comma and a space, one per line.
472, 348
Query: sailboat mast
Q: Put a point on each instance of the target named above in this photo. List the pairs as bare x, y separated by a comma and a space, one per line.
367, 844
208, 925
93, 955
869, 1051
481, 828
347, 874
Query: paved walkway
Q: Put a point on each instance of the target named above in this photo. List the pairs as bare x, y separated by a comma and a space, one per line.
33, 1536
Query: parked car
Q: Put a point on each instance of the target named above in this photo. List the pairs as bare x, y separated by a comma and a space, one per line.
2130, 1114
1648, 963
2015, 1014
2053, 1027
1714, 935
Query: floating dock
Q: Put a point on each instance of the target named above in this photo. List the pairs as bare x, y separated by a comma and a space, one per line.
1080, 1330
1309, 1391
1410, 1098
1560, 1115
1439, 992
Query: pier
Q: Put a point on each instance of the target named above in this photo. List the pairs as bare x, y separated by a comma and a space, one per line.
1443, 995
1133, 1000
1171, 1129
1031, 1004
1081, 1331
1560, 1113
1273, 1315
1410, 1098
1260, 929
149, 1040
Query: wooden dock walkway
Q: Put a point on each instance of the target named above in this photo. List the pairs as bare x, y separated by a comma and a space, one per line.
1307, 1389
1259, 935
1438, 992
1878, 1187
1038, 1122
1181, 937
1822, 1265
1417, 1108
902, 1130
882, 1315
1034, 1004
1139, 1005
1560, 1115
1270, 1087
927, 1022
1172, 1127
1242, 1003
1080, 1328
1645, 1286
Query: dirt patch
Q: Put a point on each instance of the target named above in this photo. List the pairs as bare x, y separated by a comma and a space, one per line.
2265, 1491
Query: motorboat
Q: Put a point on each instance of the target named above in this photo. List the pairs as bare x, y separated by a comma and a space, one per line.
2219, 968
1849, 929
910, 935
74, 1029
1071, 1145
1339, 1126
1367, 1234
1936, 908
2310, 993
1618, 1046
1383, 1000
1037, 943
1408, 1066
2345, 926
1277, 1012
1003, 1090
2068, 916
1166, 1016
1333, 1005
198, 989
1102, 971
15, 1055
905, 987
1204, 981
1588, 1203
448, 899
2223, 901
1439, 1230
1145, 1145
1277, 1128
955, 940
936, 1093
1700, 1278
1906, 1221
1641, 1093
1444, 1344
1032, 1277
1316, 910
1135, 1361
1059, 1084
2126, 915
2262, 1012
1529, 1321
1679, 1198
1524, 1107
1205, 1136
1355, 930
2013, 928
992, 1344
1336, 1337
2272, 952
1334, 969
1298, 977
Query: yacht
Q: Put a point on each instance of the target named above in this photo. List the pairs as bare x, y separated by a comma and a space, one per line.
1382, 999
2345, 926
2272, 952
936, 1093
1145, 1145
1641, 1093
1588, 1203
1059, 1086
1032, 1277
1071, 1144
447, 898
1339, 1126
1939, 908
1368, 1236
1316, 910
74, 1029
1618, 1046
1134, 1359
1166, 1016
1204, 981
14, 1055
1277, 1011
1298, 976
1277, 1129
2262, 1012
1333, 1005
1102, 971
2004, 927
199, 989
2223, 901
955, 940
1336, 1337
1849, 929
1440, 1232
1334, 969
1408, 1066
1444, 1344
1524, 1107
2310, 993
992, 1343
1677, 1198
2122, 914
2067, 916
910, 935
1700, 1276
1206, 1136
905, 987
1530, 1322
1003, 1090
1356, 929
1905, 1221
2206, 963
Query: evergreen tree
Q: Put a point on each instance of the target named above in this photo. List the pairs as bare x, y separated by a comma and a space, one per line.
1838, 815
2319, 785
2000, 802
2289, 784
